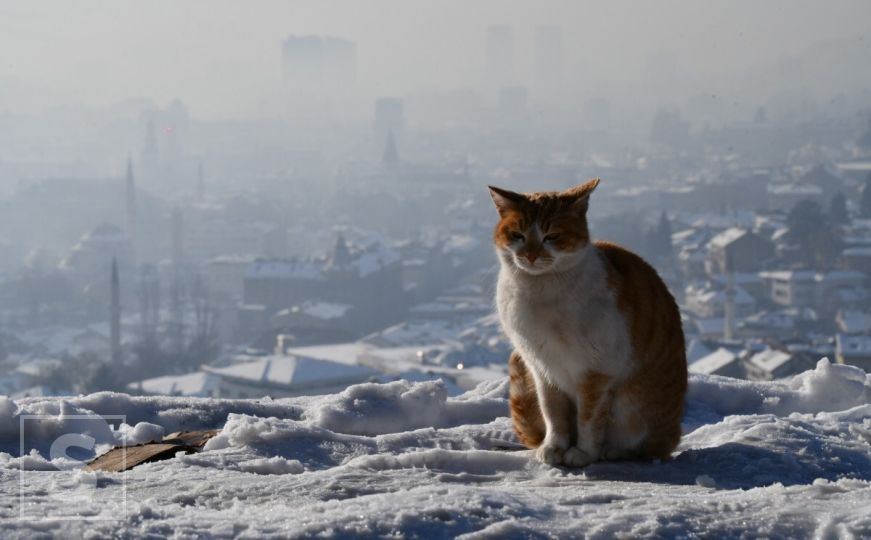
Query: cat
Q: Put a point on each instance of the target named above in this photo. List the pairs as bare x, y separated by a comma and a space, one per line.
599, 368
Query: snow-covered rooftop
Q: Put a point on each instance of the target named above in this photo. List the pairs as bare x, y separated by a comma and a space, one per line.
770, 359
727, 237
198, 384
283, 269
785, 459
293, 371
714, 361
324, 310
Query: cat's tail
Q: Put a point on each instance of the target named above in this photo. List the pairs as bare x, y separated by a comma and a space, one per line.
525, 412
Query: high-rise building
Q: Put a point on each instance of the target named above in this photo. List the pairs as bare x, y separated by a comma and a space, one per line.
318, 63
548, 55
500, 55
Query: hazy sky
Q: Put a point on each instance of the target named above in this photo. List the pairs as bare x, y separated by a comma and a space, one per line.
221, 57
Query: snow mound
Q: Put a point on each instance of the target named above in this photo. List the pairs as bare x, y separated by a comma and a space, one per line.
790, 458
829, 387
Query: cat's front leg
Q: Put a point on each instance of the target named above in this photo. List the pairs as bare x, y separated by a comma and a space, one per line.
594, 407
557, 411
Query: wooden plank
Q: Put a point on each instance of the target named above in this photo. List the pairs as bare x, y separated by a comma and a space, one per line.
123, 458
196, 439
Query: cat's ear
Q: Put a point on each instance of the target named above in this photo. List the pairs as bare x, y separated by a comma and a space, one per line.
580, 195
505, 200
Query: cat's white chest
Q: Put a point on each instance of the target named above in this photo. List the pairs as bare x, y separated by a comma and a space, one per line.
563, 333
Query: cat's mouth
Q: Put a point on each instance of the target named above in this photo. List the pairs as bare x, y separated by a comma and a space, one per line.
539, 266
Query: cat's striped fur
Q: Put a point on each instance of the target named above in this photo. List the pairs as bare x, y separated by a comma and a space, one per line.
599, 368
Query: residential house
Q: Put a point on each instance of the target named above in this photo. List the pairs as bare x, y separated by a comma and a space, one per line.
737, 250
707, 301
197, 384
771, 364
286, 376
854, 350
721, 362
792, 288
851, 321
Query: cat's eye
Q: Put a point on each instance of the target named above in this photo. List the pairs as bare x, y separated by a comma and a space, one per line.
517, 236
551, 237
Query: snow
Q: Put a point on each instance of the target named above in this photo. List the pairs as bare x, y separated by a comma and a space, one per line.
142, 432
325, 310
783, 459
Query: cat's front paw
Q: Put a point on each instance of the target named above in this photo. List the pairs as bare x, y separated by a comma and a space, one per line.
552, 454
575, 457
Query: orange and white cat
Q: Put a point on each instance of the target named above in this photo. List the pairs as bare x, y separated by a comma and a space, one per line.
599, 368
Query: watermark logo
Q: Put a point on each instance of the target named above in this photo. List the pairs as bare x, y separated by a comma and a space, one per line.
58, 485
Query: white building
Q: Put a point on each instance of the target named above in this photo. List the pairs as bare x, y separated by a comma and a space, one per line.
197, 384
720, 362
286, 376
854, 350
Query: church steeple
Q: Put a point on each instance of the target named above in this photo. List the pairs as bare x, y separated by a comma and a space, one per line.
341, 256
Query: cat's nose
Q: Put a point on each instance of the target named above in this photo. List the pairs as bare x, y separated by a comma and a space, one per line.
531, 257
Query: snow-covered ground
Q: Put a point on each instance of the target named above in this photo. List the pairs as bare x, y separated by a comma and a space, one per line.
783, 459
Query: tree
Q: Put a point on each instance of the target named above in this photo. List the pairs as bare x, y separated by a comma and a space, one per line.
865, 204
811, 229
838, 209
663, 233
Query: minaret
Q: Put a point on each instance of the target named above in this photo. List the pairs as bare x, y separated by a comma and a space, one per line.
130, 195
130, 209
201, 184
115, 315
